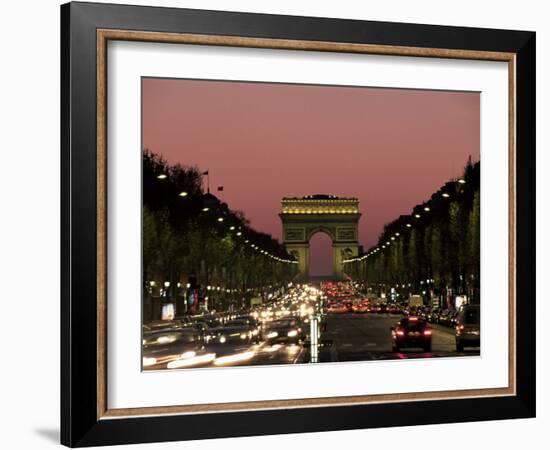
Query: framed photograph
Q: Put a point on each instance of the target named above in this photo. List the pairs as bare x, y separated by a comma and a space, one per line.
277, 224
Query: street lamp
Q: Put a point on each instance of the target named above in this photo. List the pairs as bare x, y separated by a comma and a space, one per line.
409, 225
445, 195
206, 208
417, 216
462, 181
183, 194
220, 219
162, 176
426, 209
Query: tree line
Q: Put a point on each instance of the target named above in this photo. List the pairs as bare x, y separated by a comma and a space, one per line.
195, 244
434, 251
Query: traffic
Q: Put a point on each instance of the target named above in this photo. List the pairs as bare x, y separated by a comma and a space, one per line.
303, 323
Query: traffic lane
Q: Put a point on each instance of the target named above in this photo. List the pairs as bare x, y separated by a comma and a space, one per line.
231, 355
359, 337
359, 332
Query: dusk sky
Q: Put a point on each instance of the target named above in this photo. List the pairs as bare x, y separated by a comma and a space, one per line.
391, 148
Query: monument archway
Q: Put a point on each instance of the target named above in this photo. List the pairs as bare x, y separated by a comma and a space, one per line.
302, 217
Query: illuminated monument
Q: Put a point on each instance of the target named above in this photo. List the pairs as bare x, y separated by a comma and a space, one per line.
303, 217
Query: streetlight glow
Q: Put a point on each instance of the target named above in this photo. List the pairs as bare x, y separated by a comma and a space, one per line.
426, 209
417, 216
462, 181
445, 195
183, 194
162, 176
220, 219
409, 225
205, 209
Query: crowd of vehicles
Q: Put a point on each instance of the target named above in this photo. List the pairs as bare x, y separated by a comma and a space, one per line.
219, 338
227, 337
413, 329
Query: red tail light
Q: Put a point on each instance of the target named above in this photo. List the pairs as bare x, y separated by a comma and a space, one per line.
413, 318
427, 332
400, 333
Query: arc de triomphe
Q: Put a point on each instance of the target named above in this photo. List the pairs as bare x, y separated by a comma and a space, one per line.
302, 217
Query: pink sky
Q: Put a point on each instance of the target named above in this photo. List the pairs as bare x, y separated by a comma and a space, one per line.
391, 148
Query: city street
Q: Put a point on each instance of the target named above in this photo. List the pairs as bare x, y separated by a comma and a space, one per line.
291, 330
359, 337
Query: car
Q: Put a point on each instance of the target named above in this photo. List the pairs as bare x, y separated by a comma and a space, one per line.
249, 323
164, 346
411, 331
447, 318
286, 330
337, 308
394, 309
230, 334
434, 315
441, 317
467, 329
360, 308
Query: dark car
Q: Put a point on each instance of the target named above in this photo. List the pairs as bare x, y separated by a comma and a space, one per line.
283, 330
411, 332
163, 346
467, 330
394, 309
202, 328
231, 334
434, 315
441, 317
248, 323
425, 312
447, 318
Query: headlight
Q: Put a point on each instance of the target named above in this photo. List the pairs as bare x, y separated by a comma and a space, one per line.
165, 339
186, 355
273, 334
149, 362
222, 339
292, 333
244, 336
255, 333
